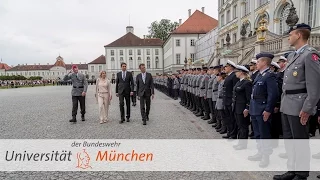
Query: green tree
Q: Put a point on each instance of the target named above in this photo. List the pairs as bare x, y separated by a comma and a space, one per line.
162, 29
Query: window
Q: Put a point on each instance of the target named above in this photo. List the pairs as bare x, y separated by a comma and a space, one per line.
130, 52
247, 8
148, 64
283, 17
177, 42
177, 58
148, 51
130, 63
42, 73
139, 60
92, 67
156, 51
192, 56
121, 52
311, 13
100, 68
113, 64
139, 51
228, 16
58, 73
25, 73
222, 20
121, 59
234, 11
235, 37
157, 62
148, 58
192, 42
112, 52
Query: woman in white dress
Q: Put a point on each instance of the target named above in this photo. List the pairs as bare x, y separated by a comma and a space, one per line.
103, 96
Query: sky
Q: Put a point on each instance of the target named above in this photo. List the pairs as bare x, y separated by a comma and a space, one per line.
37, 31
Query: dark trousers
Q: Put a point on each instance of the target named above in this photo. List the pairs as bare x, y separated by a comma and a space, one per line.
175, 93
276, 126
262, 130
220, 119
298, 151
313, 124
134, 97
243, 126
113, 81
121, 104
205, 105
230, 122
199, 103
213, 111
145, 103
82, 101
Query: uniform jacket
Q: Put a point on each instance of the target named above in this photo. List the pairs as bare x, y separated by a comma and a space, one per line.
215, 86
264, 93
279, 76
254, 75
229, 83
176, 83
199, 79
194, 84
210, 82
219, 103
301, 72
241, 96
203, 88
182, 82
79, 83
145, 88
124, 86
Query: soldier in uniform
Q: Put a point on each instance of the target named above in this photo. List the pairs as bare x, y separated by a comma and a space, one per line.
229, 84
193, 91
175, 86
79, 90
253, 69
134, 96
241, 101
301, 93
203, 89
212, 77
190, 87
263, 99
215, 86
182, 95
274, 67
197, 93
219, 104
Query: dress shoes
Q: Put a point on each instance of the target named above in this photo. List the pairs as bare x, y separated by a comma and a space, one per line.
223, 131
144, 122
299, 178
82, 118
316, 156
283, 155
199, 114
206, 117
217, 127
128, 119
264, 162
256, 157
285, 176
226, 137
134, 104
74, 120
121, 121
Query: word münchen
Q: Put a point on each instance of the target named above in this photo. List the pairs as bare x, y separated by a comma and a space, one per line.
26, 156
116, 156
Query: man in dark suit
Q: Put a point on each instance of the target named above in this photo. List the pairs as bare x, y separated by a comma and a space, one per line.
124, 89
145, 90
228, 86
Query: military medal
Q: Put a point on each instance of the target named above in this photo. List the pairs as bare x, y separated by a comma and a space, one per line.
295, 73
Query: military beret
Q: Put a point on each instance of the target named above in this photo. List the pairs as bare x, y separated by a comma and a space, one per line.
221, 74
267, 55
204, 68
182, 69
211, 67
199, 69
231, 64
275, 65
242, 68
300, 26
74, 66
217, 67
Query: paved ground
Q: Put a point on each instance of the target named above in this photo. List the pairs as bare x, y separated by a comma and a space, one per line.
43, 112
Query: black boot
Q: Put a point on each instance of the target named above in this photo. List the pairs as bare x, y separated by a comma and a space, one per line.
73, 119
212, 121
287, 175
82, 118
206, 117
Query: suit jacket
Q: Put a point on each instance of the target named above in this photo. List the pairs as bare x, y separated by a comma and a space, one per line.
264, 94
124, 86
229, 83
242, 95
301, 72
146, 88
80, 83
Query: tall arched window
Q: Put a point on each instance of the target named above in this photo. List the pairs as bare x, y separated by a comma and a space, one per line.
311, 12
283, 17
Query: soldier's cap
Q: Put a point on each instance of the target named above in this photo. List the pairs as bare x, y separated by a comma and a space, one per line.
241, 68
274, 64
263, 54
199, 69
221, 74
182, 69
300, 26
74, 66
282, 59
217, 67
211, 67
204, 68
253, 62
231, 64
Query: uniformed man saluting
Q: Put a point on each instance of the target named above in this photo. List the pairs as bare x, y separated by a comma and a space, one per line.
301, 91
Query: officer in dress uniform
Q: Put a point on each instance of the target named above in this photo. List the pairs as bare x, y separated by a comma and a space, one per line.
203, 89
263, 99
219, 104
190, 86
195, 109
209, 94
182, 97
185, 88
175, 86
215, 85
301, 93
229, 84
241, 102
253, 73
197, 93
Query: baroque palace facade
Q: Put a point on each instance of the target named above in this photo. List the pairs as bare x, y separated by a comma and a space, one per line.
247, 27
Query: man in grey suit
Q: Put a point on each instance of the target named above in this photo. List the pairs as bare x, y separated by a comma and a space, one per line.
79, 90
124, 89
145, 89
301, 93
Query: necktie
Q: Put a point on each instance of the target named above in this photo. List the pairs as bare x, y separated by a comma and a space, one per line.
123, 75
